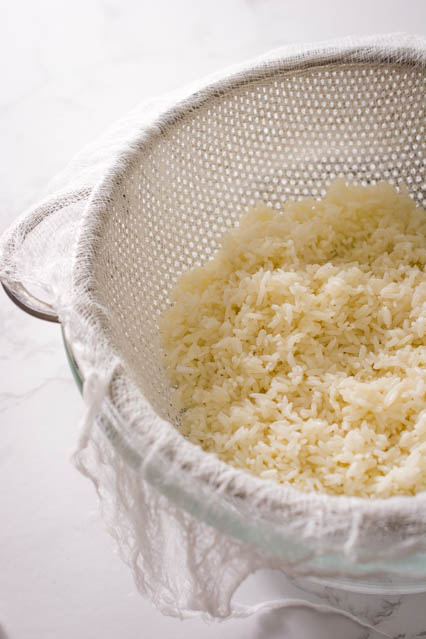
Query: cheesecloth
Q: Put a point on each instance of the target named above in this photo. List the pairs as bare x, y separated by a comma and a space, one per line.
153, 198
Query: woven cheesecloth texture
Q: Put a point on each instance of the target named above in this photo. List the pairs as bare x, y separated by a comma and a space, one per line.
152, 199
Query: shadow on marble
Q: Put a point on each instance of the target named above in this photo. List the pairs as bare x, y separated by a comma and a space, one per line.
281, 623
3, 634
381, 612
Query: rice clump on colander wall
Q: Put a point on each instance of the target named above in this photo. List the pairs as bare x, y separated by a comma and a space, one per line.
299, 350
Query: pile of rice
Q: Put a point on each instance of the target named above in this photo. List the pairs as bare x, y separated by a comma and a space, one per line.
299, 351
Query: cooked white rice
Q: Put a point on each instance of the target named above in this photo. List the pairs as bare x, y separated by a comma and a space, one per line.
299, 350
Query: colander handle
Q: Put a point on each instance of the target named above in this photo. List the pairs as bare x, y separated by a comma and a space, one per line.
30, 304
13, 242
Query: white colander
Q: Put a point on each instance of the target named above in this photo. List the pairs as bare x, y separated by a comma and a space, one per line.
280, 128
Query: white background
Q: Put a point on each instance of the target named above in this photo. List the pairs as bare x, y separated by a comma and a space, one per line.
68, 69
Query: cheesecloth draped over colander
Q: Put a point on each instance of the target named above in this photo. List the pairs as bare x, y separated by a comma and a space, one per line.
151, 199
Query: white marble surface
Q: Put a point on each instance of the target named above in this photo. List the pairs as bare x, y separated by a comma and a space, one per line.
68, 70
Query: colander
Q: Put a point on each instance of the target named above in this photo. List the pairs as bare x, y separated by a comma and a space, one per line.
282, 128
